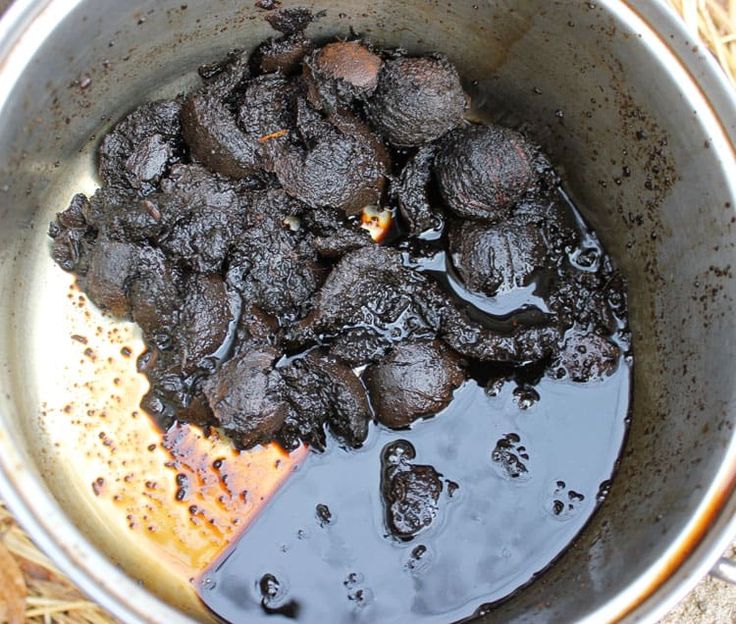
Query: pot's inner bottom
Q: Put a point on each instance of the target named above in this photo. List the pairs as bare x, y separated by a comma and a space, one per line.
524, 462
318, 550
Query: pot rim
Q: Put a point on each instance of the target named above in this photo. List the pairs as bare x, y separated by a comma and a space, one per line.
692, 553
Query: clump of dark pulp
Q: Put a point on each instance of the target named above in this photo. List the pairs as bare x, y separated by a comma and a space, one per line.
226, 228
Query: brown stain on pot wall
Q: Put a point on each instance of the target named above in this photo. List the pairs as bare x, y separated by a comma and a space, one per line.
518, 20
689, 543
718, 499
181, 495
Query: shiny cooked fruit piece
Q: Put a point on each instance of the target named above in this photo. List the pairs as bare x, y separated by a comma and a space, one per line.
483, 171
417, 100
416, 379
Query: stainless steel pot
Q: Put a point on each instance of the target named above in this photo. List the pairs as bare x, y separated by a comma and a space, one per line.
643, 125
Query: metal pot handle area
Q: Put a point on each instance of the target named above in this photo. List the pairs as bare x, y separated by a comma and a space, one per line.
725, 570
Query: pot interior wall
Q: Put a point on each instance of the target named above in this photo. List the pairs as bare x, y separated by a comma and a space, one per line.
636, 154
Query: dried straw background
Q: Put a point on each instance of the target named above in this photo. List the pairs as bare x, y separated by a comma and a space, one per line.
33, 590
715, 21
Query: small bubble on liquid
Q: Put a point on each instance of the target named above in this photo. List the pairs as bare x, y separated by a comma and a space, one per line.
418, 551
353, 579
603, 491
324, 515
586, 258
493, 389
269, 587
452, 487
361, 597
525, 397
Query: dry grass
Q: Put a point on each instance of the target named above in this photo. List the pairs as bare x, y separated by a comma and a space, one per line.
715, 22
32, 589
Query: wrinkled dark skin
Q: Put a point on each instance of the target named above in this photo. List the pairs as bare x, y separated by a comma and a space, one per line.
172, 395
246, 396
201, 217
417, 100
228, 227
370, 287
141, 148
340, 73
120, 214
255, 328
111, 267
493, 258
291, 20
323, 389
275, 267
333, 234
410, 493
155, 298
416, 379
483, 171
215, 139
226, 77
519, 345
282, 54
412, 193
203, 320
360, 346
69, 232
209, 121
266, 108
343, 168
254, 400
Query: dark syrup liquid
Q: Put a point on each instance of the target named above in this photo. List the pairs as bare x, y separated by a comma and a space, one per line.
320, 551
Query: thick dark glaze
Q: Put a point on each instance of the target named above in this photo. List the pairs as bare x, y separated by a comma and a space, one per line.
490, 537
488, 330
